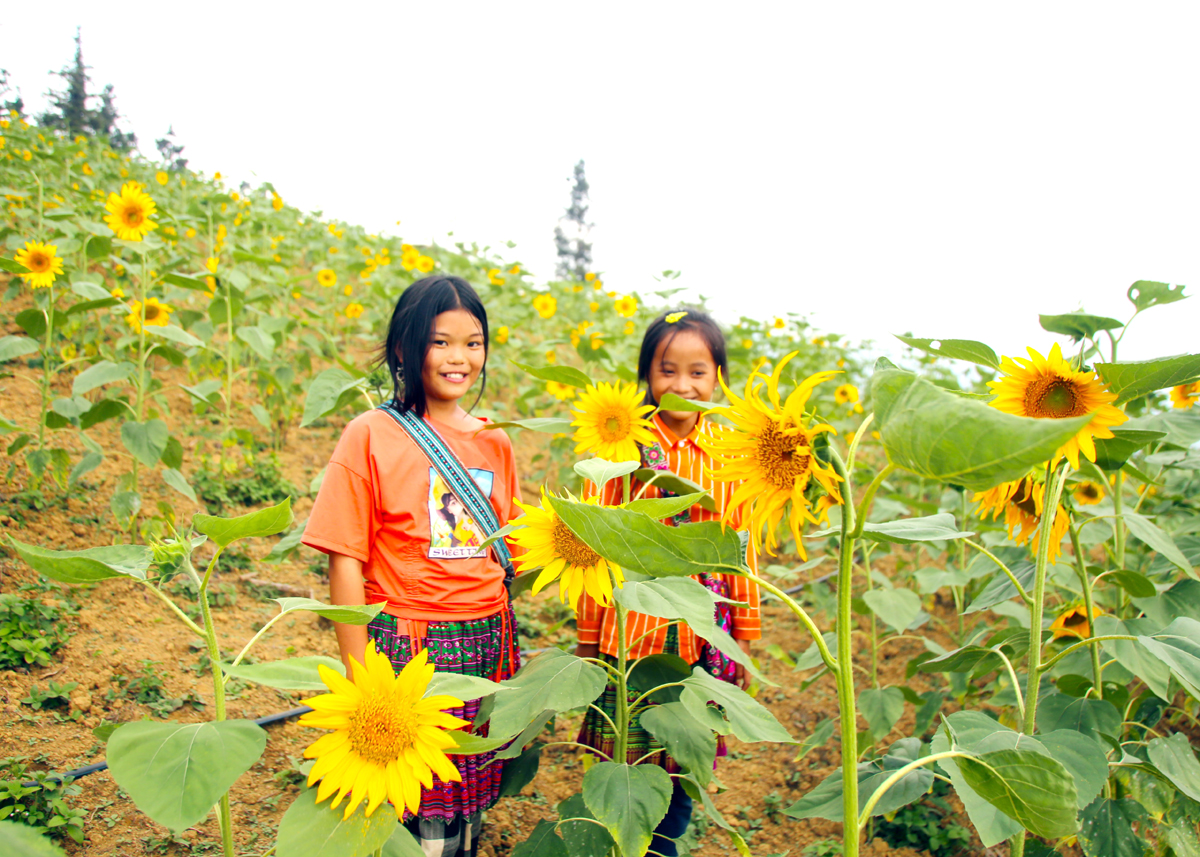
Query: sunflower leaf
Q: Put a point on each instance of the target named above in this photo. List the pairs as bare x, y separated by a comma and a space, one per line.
1078, 325
568, 375
11, 267
1138, 378
955, 349
1147, 293
309, 829
552, 680
1113, 452
546, 425
671, 402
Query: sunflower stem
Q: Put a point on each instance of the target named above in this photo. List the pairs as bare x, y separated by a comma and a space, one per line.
845, 667
47, 372
1119, 534
1086, 585
622, 724
224, 814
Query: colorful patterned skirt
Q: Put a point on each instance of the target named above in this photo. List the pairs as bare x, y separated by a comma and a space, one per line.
476, 647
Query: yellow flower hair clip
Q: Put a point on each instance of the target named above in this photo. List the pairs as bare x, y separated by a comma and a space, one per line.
673, 317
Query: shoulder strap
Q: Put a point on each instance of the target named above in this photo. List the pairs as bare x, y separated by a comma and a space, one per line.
456, 477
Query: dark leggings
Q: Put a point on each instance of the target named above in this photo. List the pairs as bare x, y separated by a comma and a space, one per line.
673, 825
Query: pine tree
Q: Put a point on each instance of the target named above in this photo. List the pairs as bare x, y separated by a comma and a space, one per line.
574, 252
70, 112
170, 151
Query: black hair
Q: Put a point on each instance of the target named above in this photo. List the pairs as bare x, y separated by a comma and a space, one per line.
660, 329
408, 333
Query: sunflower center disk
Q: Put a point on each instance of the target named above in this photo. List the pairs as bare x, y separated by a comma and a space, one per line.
779, 462
133, 216
570, 548
39, 263
379, 732
1054, 398
614, 426
1026, 503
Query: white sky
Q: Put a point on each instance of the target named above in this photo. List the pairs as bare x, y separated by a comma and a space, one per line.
949, 169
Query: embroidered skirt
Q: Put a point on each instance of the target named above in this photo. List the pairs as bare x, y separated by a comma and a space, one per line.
476, 647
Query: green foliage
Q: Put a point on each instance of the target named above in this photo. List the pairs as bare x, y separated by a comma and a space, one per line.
54, 696
44, 805
927, 825
263, 484
31, 631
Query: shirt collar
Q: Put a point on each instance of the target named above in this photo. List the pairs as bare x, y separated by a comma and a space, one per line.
670, 440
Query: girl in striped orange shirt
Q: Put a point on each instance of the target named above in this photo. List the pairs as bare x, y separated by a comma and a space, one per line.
681, 353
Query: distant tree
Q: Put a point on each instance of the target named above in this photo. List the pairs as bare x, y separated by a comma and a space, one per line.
574, 251
18, 103
170, 151
69, 110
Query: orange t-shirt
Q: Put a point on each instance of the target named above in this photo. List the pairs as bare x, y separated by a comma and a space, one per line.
382, 502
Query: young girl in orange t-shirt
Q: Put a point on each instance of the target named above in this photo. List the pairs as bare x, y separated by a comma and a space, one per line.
395, 534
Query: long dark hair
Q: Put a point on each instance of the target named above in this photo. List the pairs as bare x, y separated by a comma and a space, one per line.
660, 329
408, 342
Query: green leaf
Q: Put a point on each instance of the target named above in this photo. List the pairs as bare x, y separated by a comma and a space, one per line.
665, 480
568, 375
968, 659
1000, 588
86, 566
825, 801
1083, 758
546, 425
262, 342
12, 267
1175, 760
665, 507
1113, 452
906, 531
749, 720
1033, 789
600, 471
1182, 599
899, 608
401, 844
105, 409
939, 435
1147, 293
1078, 325
287, 674
819, 738
1149, 532
21, 840
1089, 716
104, 372
196, 285
544, 841
16, 346
629, 800
176, 480
688, 741
1106, 828
176, 772
883, 707
583, 838
309, 829
462, 686
671, 402
638, 543
88, 306
264, 522
1135, 379
992, 825
530, 732
520, 771
1134, 656
175, 333
552, 679
85, 466
956, 349
1137, 585
205, 392
327, 393
145, 441
1178, 646
346, 614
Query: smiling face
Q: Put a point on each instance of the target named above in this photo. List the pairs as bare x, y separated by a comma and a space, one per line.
454, 360
683, 365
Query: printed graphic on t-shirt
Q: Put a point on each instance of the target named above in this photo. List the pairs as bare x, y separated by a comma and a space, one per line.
453, 533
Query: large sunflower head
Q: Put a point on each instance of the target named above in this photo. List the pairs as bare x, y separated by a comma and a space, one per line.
388, 737
610, 421
1088, 493
42, 261
1074, 622
551, 546
1023, 501
1182, 395
770, 452
1048, 388
152, 313
129, 212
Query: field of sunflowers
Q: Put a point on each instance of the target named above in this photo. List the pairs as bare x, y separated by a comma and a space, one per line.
981, 605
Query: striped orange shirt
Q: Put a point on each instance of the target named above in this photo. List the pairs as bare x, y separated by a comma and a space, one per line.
597, 624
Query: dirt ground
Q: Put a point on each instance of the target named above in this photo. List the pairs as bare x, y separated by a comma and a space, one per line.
120, 627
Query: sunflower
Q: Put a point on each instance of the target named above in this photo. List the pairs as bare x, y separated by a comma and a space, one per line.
161, 177
562, 392
327, 278
1088, 493
388, 739
494, 277
1048, 388
425, 264
845, 394
153, 313
409, 256
276, 202
1074, 623
625, 307
610, 421
551, 546
42, 261
770, 453
501, 336
354, 310
211, 263
129, 213
546, 305
1185, 395
1023, 501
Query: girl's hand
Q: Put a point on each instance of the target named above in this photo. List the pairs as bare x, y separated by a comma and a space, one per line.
587, 650
742, 678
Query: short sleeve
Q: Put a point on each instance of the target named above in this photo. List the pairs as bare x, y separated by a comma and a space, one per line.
345, 517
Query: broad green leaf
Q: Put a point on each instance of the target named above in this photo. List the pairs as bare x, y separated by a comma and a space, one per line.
1033, 789
1182, 427
85, 466
287, 674
671, 402
533, 730
196, 285
86, 566
688, 741
1138, 378
825, 801
462, 686
326, 394
1149, 532
897, 607
568, 375
104, 372
71, 408
1089, 716
264, 522
176, 772
105, 409
600, 471
1137, 585
175, 334
943, 436
1106, 828
520, 769
177, 481
882, 707
401, 844
16, 346
1147, 293
309, 829
88, 290
992, 825
262, 342
749, 720
32, 321
638, 543
1174, 757
346, 614
88, 306
1132, 655
1083, 758
1000, 588
665, 507
546, 425
10, 266
630, 800
145, 441
665, 480
1112, 453
968, 659
819, 738
906, 531
1078, 325
583, 838
545, 841
552, 679
655, 670
955, 349
21, 840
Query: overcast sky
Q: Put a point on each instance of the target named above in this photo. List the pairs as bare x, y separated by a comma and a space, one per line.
950, 169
